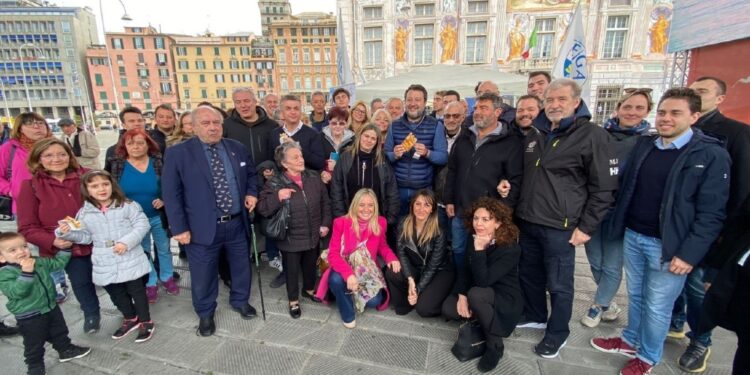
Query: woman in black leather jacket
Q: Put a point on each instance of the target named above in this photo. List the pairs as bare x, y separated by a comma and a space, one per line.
427, 273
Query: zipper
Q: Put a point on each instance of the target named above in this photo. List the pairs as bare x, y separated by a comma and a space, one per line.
41, 280
309, 217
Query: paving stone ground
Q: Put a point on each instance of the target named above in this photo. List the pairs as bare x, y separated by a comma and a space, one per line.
382, 343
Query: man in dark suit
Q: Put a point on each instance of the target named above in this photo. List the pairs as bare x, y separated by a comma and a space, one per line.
209, 185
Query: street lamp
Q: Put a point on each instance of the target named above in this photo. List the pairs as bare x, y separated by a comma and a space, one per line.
125, 17
23, 70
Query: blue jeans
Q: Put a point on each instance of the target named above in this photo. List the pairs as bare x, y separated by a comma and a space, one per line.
162, 251
58, 277
692, 299
404, 196
344, 301
459, 234
605, 259
652, 290
79, 270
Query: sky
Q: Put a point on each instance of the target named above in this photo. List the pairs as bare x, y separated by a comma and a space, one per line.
189, 17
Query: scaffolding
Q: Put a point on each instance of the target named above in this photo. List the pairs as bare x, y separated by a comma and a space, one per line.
678, 73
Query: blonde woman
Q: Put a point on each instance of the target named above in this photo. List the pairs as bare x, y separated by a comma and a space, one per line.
383, 120
360, 226
360, 116
183, 130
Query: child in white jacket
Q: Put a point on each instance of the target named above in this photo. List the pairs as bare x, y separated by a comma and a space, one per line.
115, 225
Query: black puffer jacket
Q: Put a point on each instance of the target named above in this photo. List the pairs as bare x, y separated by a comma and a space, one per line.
310, 209
253, 135
422, 262
341, 197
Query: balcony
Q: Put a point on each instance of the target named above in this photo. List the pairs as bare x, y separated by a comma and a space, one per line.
530, 65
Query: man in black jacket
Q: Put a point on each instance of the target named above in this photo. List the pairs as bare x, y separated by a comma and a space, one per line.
294, 130
165, 119
527, 109
130, 118
569, 179
736, 137
482, 156
249, 124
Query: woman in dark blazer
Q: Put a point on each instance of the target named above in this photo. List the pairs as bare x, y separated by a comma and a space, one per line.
427, 274
310, 219
487, 287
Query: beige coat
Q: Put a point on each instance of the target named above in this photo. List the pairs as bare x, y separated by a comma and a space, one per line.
89, 150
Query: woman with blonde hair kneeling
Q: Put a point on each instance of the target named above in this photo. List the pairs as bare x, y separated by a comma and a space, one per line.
487, 287
356, 241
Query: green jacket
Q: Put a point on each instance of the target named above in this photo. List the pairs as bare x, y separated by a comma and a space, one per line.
32, 293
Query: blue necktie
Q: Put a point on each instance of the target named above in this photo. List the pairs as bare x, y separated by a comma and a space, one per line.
221, 185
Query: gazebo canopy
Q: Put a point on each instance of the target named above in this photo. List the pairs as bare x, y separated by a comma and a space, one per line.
461, 78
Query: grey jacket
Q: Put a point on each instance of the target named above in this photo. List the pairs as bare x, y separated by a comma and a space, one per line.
126, 224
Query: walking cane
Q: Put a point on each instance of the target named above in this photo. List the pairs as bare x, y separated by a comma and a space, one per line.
257, 266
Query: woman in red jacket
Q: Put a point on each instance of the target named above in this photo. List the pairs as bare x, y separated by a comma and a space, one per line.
53, 193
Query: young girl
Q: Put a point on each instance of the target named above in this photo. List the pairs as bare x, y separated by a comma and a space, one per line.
115, 226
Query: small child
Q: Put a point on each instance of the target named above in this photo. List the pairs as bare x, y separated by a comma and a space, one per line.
115, 225
27, 284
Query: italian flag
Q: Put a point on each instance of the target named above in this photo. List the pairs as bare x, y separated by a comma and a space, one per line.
531, 44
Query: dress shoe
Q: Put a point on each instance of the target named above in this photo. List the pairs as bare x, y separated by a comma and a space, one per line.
206, 326
311, 297
246, 311
295, 311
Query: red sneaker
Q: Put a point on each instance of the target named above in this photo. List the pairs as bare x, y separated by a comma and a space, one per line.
152, 293
613, 345
636, 367
171, 287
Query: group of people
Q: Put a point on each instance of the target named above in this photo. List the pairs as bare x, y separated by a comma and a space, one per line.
466, 214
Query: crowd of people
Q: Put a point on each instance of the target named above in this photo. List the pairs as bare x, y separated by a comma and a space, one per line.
466, 213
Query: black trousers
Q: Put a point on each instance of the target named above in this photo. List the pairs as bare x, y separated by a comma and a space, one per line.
482, 306
429, 302
130, 298
49, 327
547, 264
295, 262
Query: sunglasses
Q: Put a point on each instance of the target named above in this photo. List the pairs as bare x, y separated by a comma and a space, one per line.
638, 90
453, 116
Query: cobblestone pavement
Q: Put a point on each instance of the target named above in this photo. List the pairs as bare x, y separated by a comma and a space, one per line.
382, 343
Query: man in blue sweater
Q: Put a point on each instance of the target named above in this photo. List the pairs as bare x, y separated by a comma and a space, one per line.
413, 164
671, 208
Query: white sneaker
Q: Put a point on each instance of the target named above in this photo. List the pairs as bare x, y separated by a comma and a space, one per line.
532, 325
611, 313
276, 263
351, 324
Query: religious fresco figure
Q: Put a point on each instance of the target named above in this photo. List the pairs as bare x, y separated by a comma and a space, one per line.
517, 40
401, 40
449, 39
658, 35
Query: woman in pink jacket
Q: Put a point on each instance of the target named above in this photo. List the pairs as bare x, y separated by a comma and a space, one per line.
361, 225
28, 128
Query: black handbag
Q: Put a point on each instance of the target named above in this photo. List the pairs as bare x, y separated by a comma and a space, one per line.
471, 342
275, 226
6, 202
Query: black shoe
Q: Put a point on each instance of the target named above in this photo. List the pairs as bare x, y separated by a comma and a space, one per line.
6, 331
73, 352
490, 359
145, 331
295, 311
549, 348
279, 281
246, 312
176, 275
695, 358
127, 326
402, 310
311, 297
91, 324
36, 371
206, 326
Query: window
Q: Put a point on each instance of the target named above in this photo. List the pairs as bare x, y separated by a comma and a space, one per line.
233, 51
297, 84
308, 83
159, 43
117, 43
102, 95
476, 39
218, 65
614, 38
166, 88
221, 93
143, 73
138, 43
126, 95
141, 58
545, 37
284, 85
247, 77
373, 37
423, 41
318, 83
280, 32
293, 31
327, 56
306, 56
606, 101
161, 59
373, 13
295, 56
282, 56
186, 94
478, 6
246, 64
217, 51
200, 64
234, 64
121, 70
219, 78
619, 3
65, 26
316, 55
235, 78
204, 94
182, 64
163, 73
185, 78
202, 78
198, 51
181, 51
98, 79
424, 9
124, 82
146, 95
329, 82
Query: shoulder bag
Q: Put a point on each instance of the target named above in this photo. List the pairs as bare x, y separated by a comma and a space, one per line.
6, 201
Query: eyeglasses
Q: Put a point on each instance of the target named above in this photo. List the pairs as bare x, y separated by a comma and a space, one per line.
452, 115
337, 123
36, 124
61, 155
357, 110
638, 90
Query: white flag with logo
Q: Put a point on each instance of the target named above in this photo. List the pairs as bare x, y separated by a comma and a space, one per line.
342, 55
571, 60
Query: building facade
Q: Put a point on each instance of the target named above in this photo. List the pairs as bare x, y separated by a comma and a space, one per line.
209, 67
42, 59
272, 10
305, 46
142, 67
625, 39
